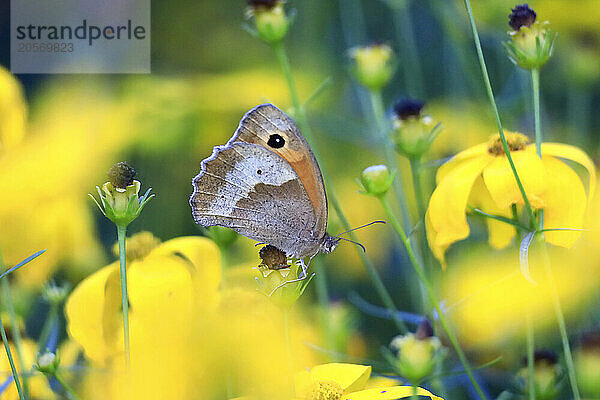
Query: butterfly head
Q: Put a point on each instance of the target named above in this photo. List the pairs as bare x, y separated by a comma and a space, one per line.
329, 243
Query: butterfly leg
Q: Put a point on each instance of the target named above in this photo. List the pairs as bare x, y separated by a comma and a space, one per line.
301, 276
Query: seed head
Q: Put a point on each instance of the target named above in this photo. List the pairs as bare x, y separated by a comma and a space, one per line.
121, 175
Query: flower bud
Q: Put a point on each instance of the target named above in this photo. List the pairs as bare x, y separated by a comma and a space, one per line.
47, 363
416, 352
373, 65
547, 375
55, 294
587, 365
413, 132
270, 19
119, 197
376, 180
531, 42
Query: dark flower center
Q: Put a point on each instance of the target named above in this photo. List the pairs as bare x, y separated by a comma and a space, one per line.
407, 108
520, 16
121, 175
268, 4
515, 141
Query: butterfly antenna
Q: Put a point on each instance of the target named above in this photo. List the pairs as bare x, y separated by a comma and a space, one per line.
352, 241
360, 227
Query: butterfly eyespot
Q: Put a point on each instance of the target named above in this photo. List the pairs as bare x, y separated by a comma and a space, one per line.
276, 141
259, 171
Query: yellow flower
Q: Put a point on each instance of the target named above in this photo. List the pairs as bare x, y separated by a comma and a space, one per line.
12, 111
338, 381
481, 177
164, 283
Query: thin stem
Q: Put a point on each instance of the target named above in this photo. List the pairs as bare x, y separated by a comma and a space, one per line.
535, 83
432, 297
11, 362
390, 155
500, 218
530, 355
121, 230
305, 128
414, 393
323, 300
560, 319
15, 331
66, 386
46, 329
490, 93
405, 33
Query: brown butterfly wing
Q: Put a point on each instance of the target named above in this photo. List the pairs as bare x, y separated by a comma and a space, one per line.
261, 125
247, 188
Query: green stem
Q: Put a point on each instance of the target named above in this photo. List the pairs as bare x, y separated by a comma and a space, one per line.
414, 395
530, 355
323, 300
11, 362
121, 230
514, 222
413, 76
560, 319
305, 128
66, 386
490, 93
432, 297
15, 331
390, 155
50, 320
535, 83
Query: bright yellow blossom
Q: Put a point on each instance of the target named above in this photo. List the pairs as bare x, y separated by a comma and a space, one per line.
336, 381
12, 111
481, 177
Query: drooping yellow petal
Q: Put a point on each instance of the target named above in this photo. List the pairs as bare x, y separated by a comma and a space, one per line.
351, 377
85, 312
501, 183
390, 393
472, 152
446, 215
500, 233
574, 154
565, 203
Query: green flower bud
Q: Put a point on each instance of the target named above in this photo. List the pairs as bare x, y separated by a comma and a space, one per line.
47, 363
587, 365
417, 353
55, 294
373, 65
547, 375
119, 197
376, 180
413, 131
531, 43
270, 19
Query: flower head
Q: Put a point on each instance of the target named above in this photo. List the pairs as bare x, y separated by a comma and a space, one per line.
120, 198
546, 376
414, 132
481, 178
373, 65
47, 363
376, 180
270, 19
531, 43
337, 381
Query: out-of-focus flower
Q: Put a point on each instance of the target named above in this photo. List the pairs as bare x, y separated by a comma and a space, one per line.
547, 375
414, 132
347, 382
416, 352
47, 363
481, 177
270, 19
12, 112
531, 43
487, 297
376, 180
139, 245
373, 65
587, 365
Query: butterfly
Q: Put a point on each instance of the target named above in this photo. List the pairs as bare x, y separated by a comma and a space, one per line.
265, 184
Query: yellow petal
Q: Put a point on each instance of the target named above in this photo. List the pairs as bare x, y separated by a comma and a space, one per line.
12, 111
390, 393
500, 233
472, 152
85, 309
351, 377
501, 183
446, 216
565, 203
204, 256
574, 154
